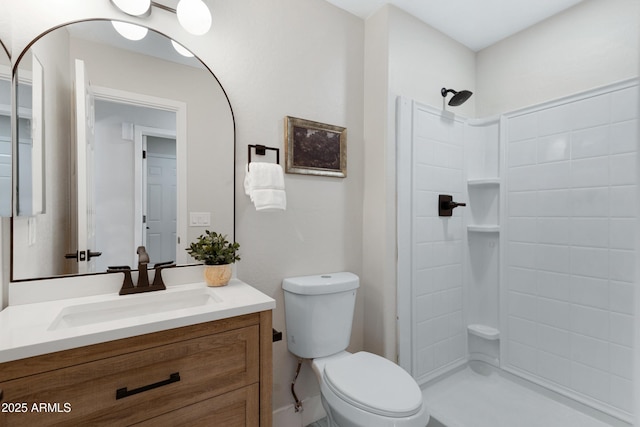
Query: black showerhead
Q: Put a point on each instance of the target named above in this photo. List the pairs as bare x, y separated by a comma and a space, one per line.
458, 98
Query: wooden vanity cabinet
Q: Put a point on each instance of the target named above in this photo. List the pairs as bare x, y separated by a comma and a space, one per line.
211, 374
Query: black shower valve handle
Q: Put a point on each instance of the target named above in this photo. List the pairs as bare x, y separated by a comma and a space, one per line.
453, 204
446, 205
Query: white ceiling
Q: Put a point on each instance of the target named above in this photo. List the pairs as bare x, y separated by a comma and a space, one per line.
474, 23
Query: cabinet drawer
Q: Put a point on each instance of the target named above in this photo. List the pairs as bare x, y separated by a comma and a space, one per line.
238, 408
207, 366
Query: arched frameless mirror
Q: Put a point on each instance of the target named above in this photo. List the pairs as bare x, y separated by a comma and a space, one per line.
122, 143
5, 132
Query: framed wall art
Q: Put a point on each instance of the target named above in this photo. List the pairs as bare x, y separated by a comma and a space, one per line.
313, 148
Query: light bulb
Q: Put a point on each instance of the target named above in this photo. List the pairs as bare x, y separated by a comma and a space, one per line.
133, 7
194, 16
181, 50
130, 31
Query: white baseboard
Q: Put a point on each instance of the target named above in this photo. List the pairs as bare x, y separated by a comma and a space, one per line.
312, 411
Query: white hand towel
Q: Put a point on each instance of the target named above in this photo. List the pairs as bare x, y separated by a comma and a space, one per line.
269, 200
264, 184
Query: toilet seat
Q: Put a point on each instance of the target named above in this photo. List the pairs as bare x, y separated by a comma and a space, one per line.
374, 384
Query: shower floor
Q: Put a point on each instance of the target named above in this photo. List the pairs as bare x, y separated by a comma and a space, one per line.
481, 397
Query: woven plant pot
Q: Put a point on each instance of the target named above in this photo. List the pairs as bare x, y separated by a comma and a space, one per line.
217, 275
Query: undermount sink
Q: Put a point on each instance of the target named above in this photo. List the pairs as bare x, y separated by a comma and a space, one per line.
132, 306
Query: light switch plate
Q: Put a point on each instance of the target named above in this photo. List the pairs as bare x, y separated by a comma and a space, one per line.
199, 219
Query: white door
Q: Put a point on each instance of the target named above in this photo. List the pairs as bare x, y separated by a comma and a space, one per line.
161, 207
85, 120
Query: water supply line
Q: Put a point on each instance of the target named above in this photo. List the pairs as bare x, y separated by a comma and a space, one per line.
298, 404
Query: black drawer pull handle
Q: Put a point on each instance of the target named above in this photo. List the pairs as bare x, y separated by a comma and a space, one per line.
123, 392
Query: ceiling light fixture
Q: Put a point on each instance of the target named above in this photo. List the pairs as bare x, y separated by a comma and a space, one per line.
134, 7
193, 15
130, 31
181, 50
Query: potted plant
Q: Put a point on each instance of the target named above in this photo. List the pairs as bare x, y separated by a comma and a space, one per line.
218, 254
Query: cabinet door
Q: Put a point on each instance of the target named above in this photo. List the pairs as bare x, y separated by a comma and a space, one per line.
239, 408
130, 388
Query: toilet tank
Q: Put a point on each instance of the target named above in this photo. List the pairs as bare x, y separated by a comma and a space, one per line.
319, 313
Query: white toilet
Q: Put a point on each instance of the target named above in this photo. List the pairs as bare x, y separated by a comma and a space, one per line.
358, 390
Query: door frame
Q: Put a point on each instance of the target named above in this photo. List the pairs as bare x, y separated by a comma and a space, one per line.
180, 109
140, 191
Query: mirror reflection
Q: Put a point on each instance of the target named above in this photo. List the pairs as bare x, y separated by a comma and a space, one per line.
134, 138
5, 132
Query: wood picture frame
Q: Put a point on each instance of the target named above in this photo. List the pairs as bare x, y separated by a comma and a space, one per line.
313, 148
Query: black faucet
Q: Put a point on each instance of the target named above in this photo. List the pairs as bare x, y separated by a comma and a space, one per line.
143, 272
143, 275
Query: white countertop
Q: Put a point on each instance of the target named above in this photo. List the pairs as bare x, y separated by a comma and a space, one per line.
34, 329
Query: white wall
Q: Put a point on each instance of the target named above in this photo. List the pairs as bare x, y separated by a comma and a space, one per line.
303, 59
274, 58
51, 236
115, 192
589, 45
405, 57
209, 124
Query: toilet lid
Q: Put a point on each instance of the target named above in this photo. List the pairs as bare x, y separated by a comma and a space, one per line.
374, 384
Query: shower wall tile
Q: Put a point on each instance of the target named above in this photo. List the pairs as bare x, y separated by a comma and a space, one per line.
622, 265
591, 172
571, 207
551, 176
523, 230
590, 112
589, 321
522, 356
556, 203
554, 340
522, 280
523, 153
554, 368
624, 201
523, 178
522, 254
621, 329
622, 233
621, 297
621, 361
437, 168
622, 393
590, 262
624, 105
624, 137
553, 285
523, 127
554, 120
590, 202
523, 204
592, 232
590, 381
553, 148
553, 258
523, 306
524, 330
623, 169
554, 313
590, 292
591, 142
590, 351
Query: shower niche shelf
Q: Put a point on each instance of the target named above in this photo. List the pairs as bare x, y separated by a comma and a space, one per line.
483, 228
484, 331
477, 182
